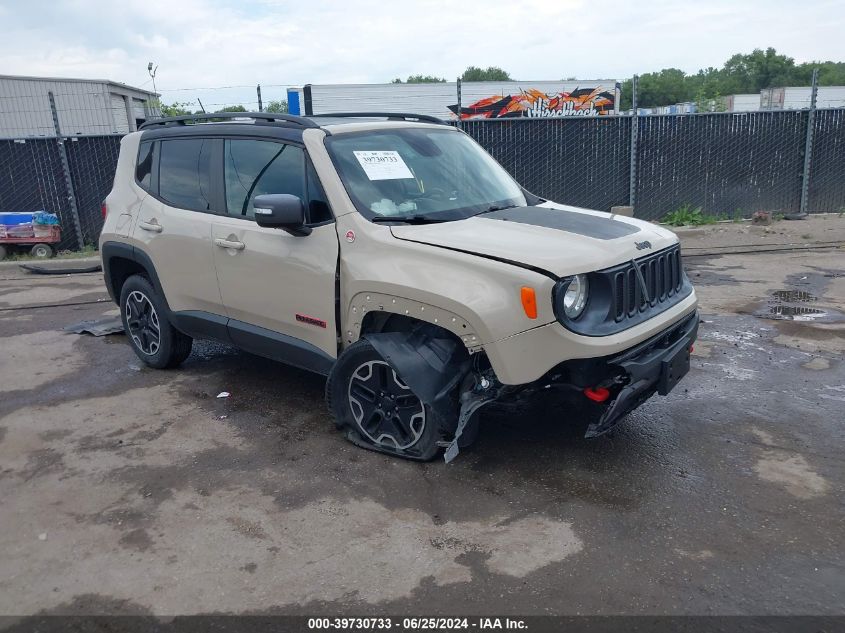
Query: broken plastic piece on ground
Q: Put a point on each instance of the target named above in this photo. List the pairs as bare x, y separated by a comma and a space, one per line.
223, 394
97, 327
599, 394
47, 270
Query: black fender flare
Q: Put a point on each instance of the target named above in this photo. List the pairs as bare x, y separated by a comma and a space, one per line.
109, 251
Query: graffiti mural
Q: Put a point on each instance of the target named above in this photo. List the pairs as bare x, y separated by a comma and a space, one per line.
534, 103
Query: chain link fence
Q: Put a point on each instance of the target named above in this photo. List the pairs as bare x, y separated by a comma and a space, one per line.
580, 160
727, 164
92, 161
827, 166
32, 178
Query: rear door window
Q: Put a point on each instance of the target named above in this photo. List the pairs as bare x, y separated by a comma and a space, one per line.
185, 173
252, 168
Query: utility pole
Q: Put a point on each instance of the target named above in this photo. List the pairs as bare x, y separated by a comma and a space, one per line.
152, 70
260, 105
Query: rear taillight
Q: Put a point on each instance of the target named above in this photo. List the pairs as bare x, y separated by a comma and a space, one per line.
104, 209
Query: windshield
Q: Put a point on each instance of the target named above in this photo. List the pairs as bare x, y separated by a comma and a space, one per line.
417, 173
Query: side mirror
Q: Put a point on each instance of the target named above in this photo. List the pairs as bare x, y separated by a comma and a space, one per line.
281, 211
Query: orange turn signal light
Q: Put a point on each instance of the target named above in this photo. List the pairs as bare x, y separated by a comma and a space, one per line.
529, 302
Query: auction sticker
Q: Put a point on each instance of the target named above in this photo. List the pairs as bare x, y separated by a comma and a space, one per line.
383, 165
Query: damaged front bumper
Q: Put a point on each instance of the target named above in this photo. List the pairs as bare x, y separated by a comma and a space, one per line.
629, 378
654, 366
456, 386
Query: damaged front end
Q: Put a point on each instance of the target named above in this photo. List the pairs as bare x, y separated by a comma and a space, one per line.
455, 385
442, 374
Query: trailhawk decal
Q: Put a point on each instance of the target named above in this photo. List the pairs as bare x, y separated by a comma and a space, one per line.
304, 318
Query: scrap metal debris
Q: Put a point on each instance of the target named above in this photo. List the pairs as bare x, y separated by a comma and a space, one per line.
47, 270
97, 327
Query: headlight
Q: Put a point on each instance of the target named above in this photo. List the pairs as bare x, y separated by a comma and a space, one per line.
575, 297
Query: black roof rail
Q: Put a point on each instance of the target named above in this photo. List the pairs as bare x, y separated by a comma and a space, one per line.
390, 115
270, 117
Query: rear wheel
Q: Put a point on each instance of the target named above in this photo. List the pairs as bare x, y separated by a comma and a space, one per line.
42, 251
378, 410
154, 339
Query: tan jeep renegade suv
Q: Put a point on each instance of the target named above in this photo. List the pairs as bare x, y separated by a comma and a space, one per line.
390, 253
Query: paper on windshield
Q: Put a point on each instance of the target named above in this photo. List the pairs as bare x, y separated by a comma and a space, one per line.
383, 165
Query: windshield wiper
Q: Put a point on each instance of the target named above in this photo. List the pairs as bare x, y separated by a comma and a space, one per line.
496, 207
408, 219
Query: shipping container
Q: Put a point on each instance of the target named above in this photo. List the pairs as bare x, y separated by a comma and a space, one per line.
798, 97
479, 100
742, 103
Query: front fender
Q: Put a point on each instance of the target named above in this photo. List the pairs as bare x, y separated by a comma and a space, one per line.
475, 298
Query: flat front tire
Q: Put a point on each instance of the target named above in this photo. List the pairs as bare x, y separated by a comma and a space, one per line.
155, 341
377, 409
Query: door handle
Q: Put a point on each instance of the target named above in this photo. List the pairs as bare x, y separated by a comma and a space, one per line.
237, 246
153, 226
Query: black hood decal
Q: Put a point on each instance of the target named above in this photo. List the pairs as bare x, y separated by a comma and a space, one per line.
570, 221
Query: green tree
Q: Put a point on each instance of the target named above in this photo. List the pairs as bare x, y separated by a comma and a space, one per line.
279, 107
175, 109
491, 73
741, 74
756, 70
420, 79
232, 108
425, 79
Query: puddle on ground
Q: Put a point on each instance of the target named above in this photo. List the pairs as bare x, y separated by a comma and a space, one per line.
796, 313
792, 305
793, 296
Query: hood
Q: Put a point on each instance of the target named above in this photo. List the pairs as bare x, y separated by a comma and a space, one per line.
558, 239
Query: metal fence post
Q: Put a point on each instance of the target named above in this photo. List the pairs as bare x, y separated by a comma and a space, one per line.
808, 145
71, 195
458, 85
632, 188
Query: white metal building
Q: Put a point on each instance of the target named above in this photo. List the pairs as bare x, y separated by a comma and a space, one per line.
84, 106
743, 103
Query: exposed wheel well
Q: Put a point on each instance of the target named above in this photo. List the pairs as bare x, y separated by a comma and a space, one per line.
377, 322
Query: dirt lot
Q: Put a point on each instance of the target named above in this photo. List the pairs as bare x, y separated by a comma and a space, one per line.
128, 490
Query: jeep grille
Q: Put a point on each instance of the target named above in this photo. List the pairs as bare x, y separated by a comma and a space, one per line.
663, 276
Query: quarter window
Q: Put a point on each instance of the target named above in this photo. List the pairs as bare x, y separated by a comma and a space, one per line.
185, 173
253, 168
144, 169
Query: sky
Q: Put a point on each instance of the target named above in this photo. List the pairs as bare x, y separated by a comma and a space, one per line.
280, 43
